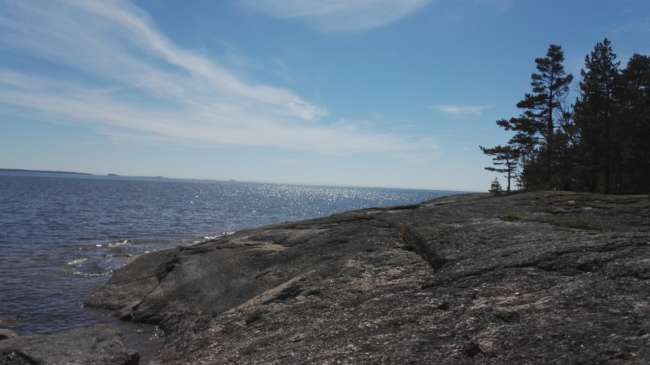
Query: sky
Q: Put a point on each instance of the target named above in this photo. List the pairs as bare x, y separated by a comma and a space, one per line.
388, 93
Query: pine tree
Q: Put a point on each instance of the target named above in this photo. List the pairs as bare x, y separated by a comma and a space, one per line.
504, 159
596, 112
634, 98
543, 106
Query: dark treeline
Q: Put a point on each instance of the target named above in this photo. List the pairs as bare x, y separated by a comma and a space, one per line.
600, 143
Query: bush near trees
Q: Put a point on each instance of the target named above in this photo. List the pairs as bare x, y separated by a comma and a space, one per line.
601, 143
495, 187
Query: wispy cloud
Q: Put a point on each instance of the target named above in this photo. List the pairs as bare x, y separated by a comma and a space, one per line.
353, 16
633, 25
462, 109
106, 63
339, 16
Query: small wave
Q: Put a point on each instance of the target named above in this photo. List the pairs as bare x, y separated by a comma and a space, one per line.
219, 235
209, 238
77, 262
91, 274
119, 243
96, 266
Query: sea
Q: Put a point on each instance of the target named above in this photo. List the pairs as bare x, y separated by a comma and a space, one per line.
62, 235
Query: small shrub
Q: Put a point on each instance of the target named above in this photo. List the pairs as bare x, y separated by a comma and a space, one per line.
495, 187
253, 317
511, 218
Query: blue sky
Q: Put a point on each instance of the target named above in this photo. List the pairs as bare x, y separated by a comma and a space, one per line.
395, 93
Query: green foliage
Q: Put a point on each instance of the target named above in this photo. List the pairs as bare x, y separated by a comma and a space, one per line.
574, 222
596, 112
633, 137
543, 106
511, 218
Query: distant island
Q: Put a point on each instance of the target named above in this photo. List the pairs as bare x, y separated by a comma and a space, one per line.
44, 172
56, 172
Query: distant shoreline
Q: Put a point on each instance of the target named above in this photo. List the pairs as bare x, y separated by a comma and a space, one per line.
165, 178
45, 172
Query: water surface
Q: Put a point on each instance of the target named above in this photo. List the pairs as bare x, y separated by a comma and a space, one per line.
62, 235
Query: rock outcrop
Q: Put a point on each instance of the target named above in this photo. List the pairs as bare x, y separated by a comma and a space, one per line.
97, 345
531, 278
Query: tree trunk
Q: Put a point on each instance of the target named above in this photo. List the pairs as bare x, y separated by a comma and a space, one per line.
549, 137
608, 152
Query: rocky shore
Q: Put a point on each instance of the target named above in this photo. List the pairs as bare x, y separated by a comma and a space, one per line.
536, 278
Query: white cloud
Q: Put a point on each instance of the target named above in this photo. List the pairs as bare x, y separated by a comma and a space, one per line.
339, 16
350, 16
462, 109
109, 66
